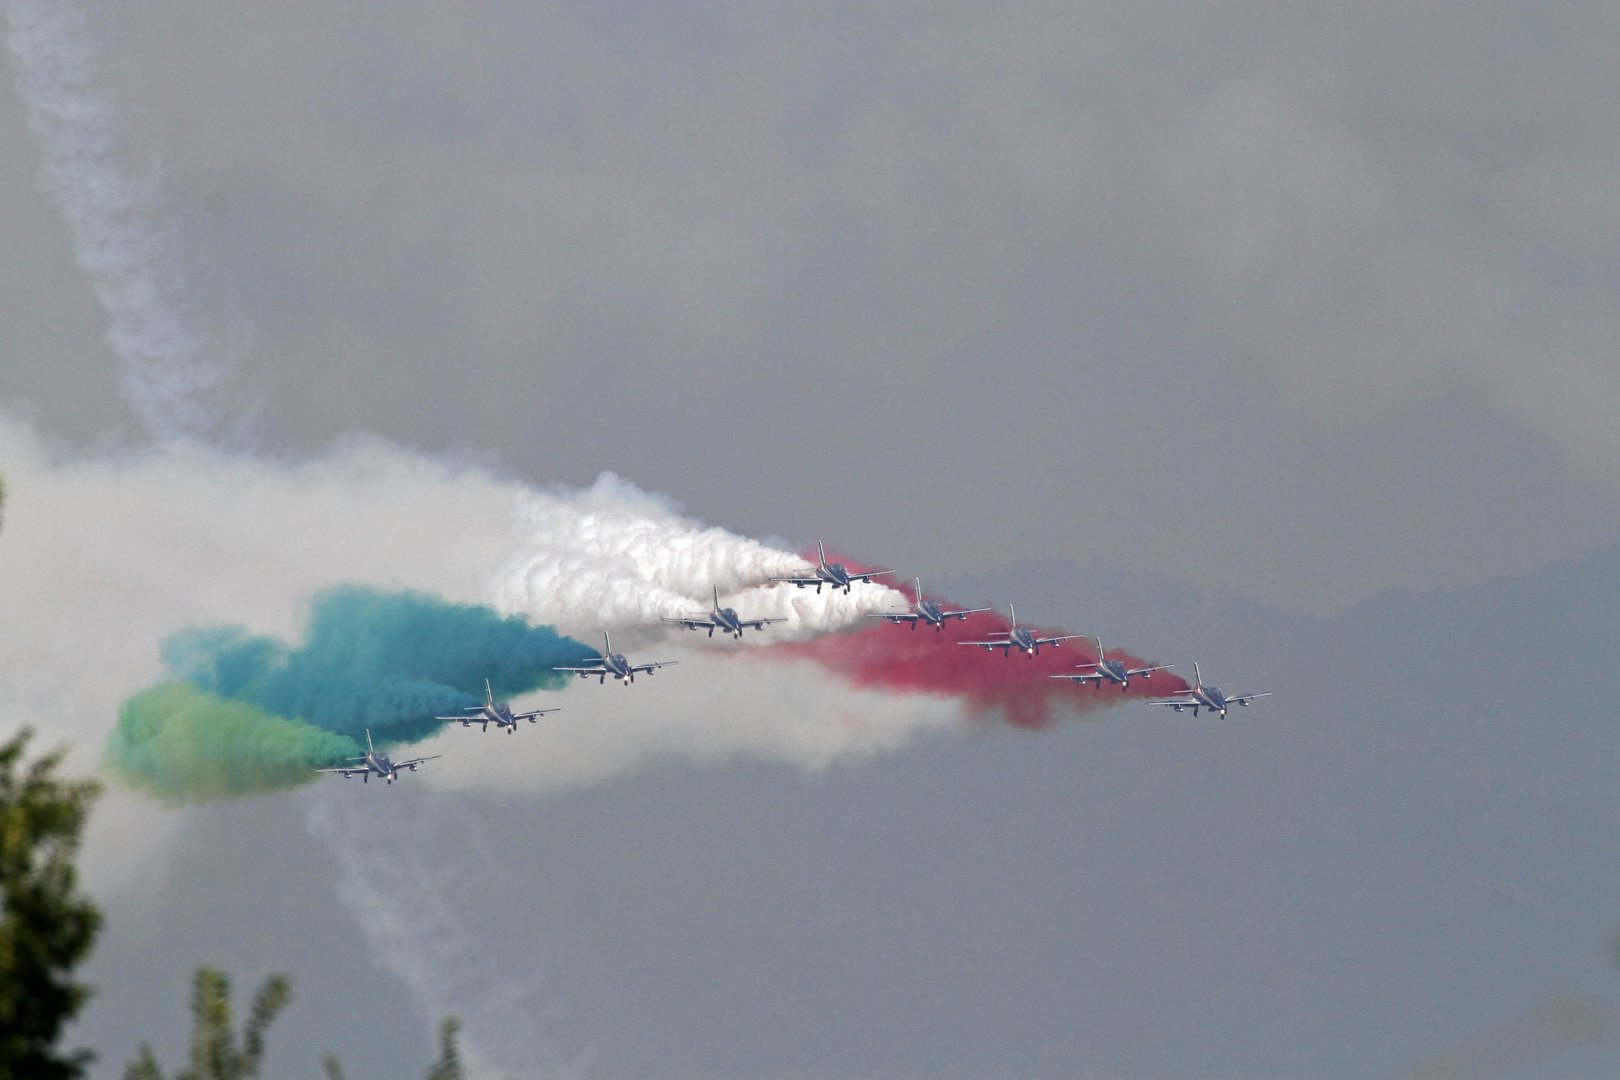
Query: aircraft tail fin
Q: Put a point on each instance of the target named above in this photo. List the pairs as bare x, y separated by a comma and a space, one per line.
489, 694
1099, 649
1198, 680
917, 586
369, 748
822, 552
717, 598
1012, 613
607, 644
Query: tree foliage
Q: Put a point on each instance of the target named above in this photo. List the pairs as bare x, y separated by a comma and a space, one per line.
215, 1052
448, 1067
47, 925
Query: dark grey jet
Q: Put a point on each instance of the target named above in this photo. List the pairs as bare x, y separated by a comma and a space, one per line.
1020, 637
1114, 671
495, 712
1208, 697
375, 764
614, 664
835, 574
924, 611
720, 619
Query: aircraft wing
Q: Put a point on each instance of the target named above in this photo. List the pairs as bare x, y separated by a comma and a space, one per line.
1185, 703
893, 616
1145, 670
348, 770
653, 666
758, 624
597, 668
694, 622
1004, 643
414, 762
963, 613
529, 716
1055, 640
1079, 676
868, 575
1240, 699
802, 579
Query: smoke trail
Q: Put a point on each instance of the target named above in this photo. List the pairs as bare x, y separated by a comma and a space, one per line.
615, 558
1016, 687
130, 262
378, 660
419, 921
252, 714
181, 745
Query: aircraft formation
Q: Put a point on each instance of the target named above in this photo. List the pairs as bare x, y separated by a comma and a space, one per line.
609, 664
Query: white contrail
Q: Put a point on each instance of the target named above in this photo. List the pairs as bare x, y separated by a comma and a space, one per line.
131, 262
615, 558
419, 920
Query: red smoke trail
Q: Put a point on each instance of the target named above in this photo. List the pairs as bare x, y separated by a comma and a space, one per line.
926, 661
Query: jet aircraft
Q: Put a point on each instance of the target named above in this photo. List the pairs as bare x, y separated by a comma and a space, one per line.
375, 764
835, 574
924, 611
1020, 637
720, 619
495, 712
1208, 697
614, 664
1106, 670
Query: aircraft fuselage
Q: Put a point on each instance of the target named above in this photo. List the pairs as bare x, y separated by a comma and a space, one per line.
834, 574
1114, 671
1206, 697
500, 716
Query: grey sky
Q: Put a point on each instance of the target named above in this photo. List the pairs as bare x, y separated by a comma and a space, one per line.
1286, 309
1334, 283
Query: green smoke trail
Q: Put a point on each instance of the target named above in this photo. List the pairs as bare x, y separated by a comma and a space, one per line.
183, 744
244, 709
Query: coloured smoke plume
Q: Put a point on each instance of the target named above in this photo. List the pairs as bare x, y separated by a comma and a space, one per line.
930, 662
244, 713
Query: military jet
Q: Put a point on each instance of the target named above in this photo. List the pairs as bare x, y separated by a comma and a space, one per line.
1020, 637
924, 611
1106, 670
835, 574
375, 764
495, 712
720, 619
614, 664
1208, 697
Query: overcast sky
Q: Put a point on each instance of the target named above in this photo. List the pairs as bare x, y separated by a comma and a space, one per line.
1329, 291
1289, 310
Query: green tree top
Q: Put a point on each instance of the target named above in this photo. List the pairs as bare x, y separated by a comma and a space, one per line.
215, 1054
46, 924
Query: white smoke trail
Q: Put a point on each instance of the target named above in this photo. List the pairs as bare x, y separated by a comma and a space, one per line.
131, 262
126, 552
420, 921
615, 558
